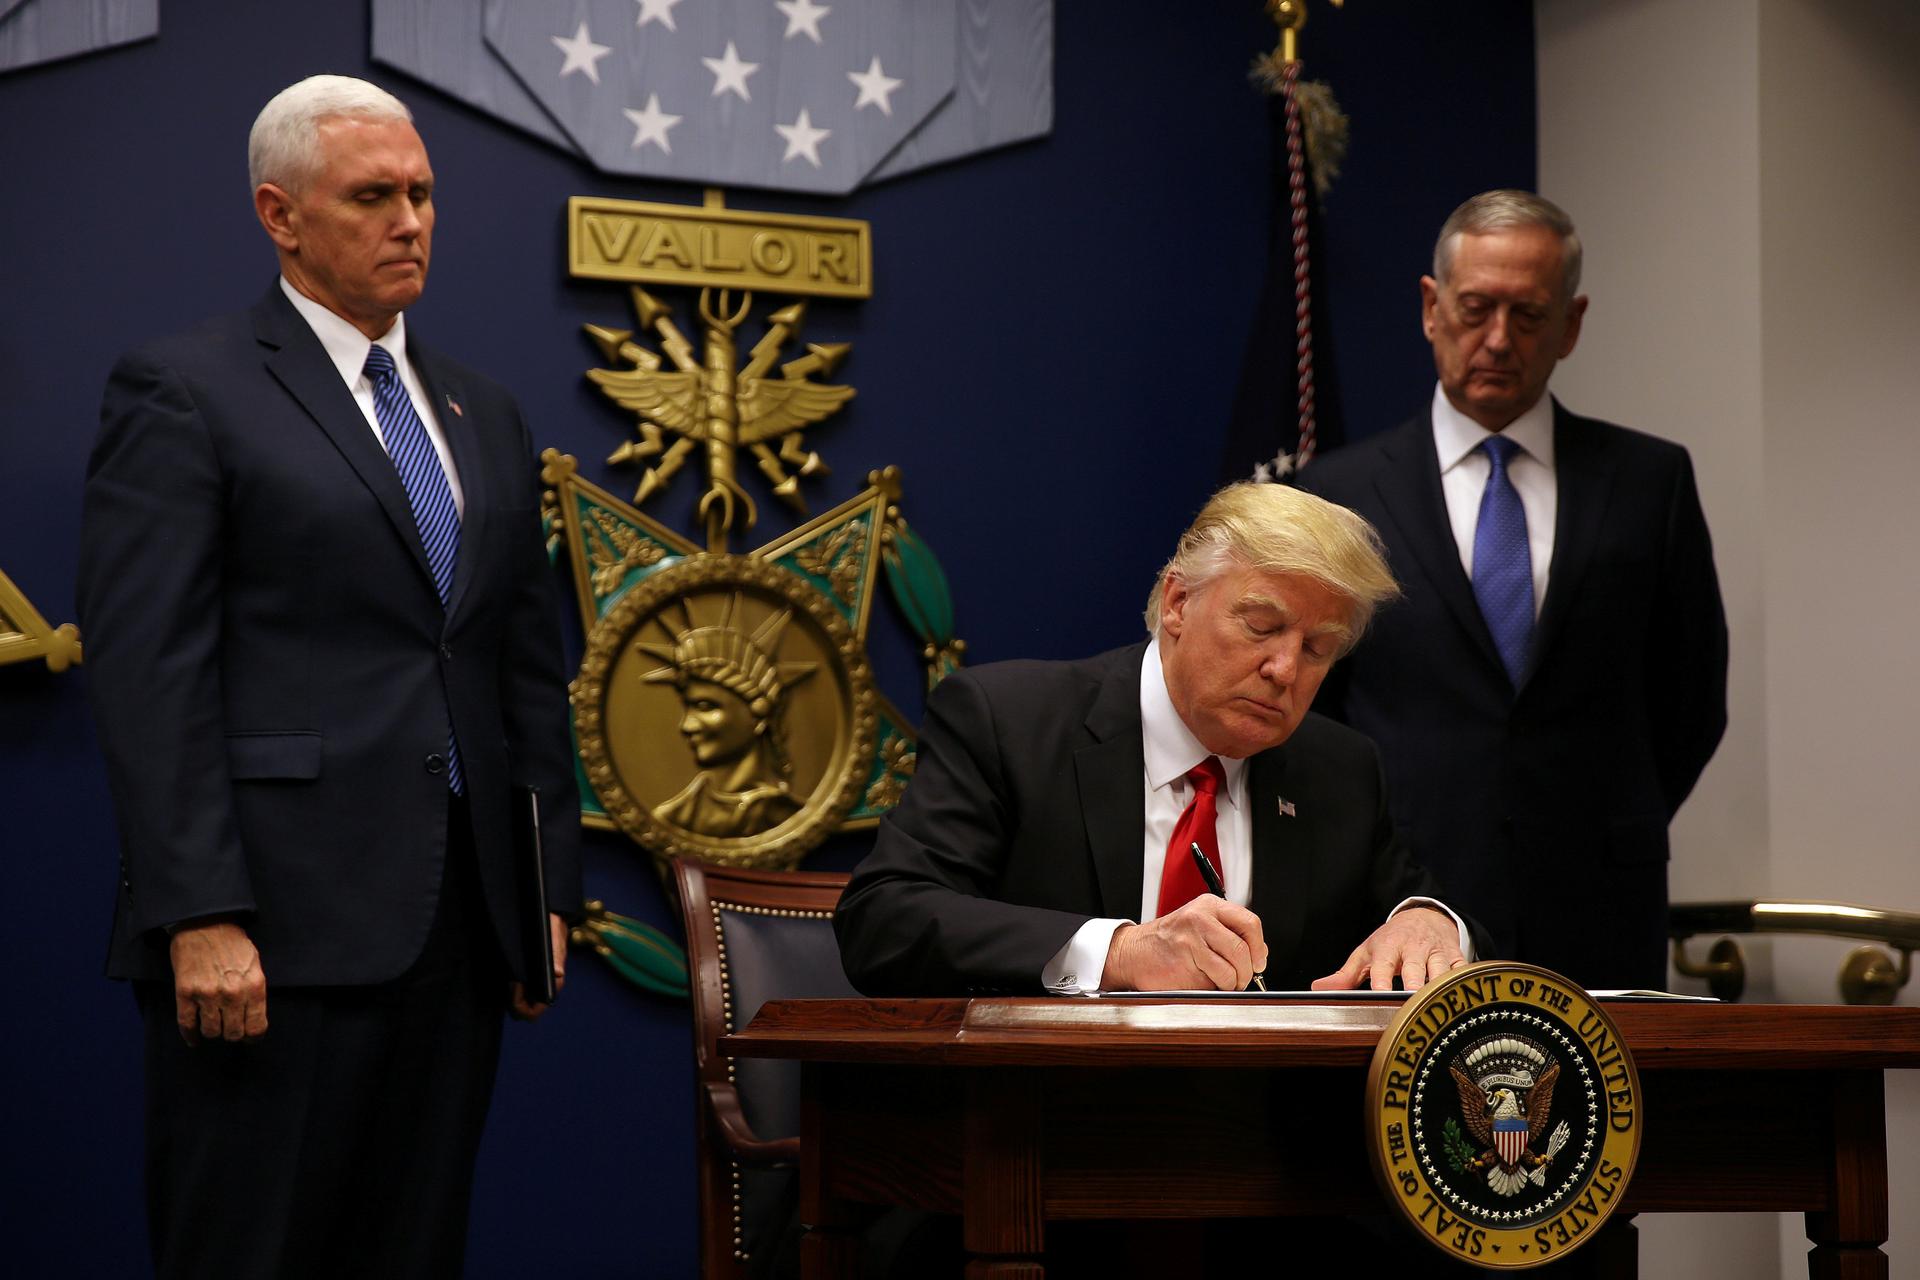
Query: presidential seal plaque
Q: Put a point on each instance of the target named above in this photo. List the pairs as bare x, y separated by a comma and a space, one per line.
1503, 1115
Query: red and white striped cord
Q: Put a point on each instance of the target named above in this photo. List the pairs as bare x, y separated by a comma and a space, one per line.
1302, 271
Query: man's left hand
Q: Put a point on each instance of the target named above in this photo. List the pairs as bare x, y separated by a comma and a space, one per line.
517, 1003
1413, 945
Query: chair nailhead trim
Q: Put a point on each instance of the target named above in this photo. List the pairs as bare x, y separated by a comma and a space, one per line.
741, 1254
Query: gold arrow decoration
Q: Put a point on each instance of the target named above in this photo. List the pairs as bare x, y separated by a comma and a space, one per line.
25, 635
711, 400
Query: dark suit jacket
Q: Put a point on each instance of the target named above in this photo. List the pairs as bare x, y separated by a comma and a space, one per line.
273, 673
1024, 821
1544, 810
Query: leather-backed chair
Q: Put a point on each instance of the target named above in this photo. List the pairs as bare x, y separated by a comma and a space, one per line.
752, 936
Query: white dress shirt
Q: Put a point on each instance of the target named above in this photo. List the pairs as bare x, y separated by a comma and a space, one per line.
347, 347
1171, 753
1464, 469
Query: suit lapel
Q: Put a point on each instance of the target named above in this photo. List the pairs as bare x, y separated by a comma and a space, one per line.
1108, 773
1409, 489
300, 364
1583, 474
448, 401
1282, 858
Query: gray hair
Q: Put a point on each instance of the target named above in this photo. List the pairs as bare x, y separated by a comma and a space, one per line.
1277, 528
1500, 210
284, 146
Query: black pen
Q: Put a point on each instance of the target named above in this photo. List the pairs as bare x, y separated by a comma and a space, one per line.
1214, 887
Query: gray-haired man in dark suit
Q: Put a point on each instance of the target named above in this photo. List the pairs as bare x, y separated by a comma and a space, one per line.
323, 652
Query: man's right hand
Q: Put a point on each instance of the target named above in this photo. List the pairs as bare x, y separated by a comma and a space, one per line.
1209, 944
219, 990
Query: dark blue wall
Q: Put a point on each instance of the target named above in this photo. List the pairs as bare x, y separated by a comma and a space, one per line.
1050, 357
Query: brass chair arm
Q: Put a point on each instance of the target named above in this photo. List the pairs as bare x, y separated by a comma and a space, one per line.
747, 1147
1869, 975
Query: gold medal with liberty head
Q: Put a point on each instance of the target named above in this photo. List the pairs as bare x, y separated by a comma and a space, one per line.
725, 712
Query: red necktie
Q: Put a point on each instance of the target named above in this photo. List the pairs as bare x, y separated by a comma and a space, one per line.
1180, 881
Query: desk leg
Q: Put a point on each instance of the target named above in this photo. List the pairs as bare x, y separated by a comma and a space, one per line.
1847, 1235
830, 1249
1002, 1226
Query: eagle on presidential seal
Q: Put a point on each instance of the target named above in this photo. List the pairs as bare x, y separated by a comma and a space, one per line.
1506, 1094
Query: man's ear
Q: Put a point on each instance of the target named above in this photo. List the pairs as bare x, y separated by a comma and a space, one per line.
1429, 299
276, 211
1174, 596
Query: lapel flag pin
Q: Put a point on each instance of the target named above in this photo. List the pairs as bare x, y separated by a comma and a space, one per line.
1286, 808
454, 405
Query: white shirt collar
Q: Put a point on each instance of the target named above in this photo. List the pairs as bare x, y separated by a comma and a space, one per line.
345, 345
1171, 749
1456, 436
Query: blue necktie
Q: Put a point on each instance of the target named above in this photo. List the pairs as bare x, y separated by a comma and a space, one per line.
1502, 563
428, 494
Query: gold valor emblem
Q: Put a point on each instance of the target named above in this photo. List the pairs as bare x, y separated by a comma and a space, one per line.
1503, 1115
749, 712
724, 710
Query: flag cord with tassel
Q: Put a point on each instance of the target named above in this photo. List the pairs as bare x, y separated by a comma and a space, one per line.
1302, 272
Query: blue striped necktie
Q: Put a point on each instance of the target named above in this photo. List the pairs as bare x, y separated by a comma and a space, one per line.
428, 494
1502, 562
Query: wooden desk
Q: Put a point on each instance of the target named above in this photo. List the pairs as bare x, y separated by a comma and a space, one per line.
1015, 1112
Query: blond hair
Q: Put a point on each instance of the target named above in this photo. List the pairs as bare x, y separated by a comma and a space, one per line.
1276, 528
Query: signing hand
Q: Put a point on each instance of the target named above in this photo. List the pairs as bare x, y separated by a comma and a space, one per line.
517, 1003
219, 990
1412, 945
1207, 945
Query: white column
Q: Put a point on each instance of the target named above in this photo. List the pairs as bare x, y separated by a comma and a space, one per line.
1746, 177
